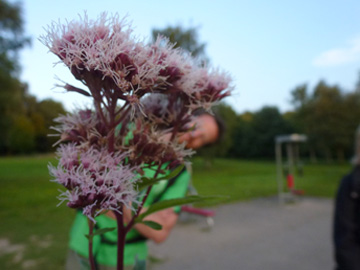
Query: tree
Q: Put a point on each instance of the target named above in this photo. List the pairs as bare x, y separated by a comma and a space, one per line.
299, 96
267, 124
21, 136
329, 117
254, 134
24, 121
10, 107
46, 111
244, 137
12, 39
187, 39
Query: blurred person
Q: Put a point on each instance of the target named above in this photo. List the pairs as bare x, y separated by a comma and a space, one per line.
205, 129
346, 232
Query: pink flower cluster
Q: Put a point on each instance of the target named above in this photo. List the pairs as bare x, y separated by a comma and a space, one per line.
144, 96
105, 56
95, 180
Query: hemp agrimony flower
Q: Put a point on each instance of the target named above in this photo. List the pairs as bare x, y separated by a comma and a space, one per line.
144, 97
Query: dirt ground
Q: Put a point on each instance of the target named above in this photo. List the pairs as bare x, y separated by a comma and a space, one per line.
255, 235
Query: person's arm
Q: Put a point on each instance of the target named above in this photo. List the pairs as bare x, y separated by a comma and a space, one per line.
167, 218
346, 227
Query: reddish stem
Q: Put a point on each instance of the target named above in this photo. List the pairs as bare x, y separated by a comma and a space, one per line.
122, 107
100, 112
123, 115
176, 127
132, 221
120, 240
111, 141
112, 126
91, 255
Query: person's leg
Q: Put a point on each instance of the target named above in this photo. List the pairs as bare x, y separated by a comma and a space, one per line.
76, 262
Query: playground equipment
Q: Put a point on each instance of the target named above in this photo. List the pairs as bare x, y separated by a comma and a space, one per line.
191, 210
208, 214
291, 143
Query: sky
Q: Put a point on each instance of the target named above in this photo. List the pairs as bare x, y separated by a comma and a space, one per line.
268, 47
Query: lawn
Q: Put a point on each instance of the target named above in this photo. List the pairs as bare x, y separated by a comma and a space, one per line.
243, 180
33, 231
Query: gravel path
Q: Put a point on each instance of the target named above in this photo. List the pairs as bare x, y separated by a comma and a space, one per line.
254, 235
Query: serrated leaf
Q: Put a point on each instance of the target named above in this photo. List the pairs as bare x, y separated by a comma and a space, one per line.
173, 202
99, 232
152, 224
145, 181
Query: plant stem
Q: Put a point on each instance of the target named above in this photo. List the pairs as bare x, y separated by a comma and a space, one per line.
132, 221
120, 240
176, 127
101, 113
122, 108
91, 255
124, 114
112, 125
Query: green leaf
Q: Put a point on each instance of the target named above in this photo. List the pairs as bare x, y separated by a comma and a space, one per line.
99, 232
174, 172
173, 202
145, 181
152, 224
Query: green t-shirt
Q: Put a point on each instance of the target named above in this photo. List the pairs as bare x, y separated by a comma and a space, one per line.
104, 246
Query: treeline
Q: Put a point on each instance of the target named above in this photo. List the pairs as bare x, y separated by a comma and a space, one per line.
24, 121
328, 116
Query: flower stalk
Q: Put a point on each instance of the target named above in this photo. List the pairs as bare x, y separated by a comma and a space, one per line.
121, 239
151, 90
91, 255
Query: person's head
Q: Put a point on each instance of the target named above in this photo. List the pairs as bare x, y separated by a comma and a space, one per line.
205, 129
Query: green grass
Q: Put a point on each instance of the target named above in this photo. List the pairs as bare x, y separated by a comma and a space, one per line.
29, 215
243, 180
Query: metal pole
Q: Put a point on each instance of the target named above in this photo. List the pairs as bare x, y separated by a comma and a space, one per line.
279, 171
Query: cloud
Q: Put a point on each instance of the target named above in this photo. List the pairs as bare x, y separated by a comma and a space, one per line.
341, 56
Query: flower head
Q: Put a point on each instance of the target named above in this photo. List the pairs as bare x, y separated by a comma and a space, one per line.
82, 127
95, 179
104, 55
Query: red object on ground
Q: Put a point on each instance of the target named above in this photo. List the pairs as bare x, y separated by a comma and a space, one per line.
291, 185
290, 181
298, 192
198, 211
